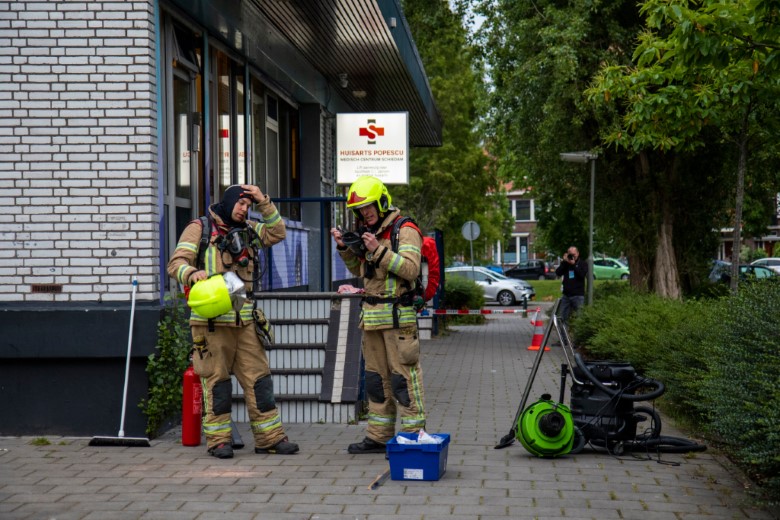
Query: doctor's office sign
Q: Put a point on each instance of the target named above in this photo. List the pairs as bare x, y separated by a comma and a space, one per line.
374, 144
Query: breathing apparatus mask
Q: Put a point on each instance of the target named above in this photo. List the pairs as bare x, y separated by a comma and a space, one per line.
235, 243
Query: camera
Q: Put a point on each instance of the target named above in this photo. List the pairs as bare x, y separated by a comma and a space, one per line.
353, 240
570, 256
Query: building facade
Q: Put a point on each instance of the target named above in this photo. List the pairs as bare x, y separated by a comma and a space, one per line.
121, 121
522, 244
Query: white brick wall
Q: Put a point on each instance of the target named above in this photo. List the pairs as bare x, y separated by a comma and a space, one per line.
78, 144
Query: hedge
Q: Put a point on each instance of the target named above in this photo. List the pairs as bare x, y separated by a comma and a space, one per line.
719, 359
461, 293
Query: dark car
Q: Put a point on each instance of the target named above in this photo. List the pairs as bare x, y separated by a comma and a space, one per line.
531, 270
721, 272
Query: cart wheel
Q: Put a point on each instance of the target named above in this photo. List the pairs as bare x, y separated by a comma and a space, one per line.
647, 431
579, 441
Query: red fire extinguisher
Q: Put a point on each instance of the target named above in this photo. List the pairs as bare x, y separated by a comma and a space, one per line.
191, 408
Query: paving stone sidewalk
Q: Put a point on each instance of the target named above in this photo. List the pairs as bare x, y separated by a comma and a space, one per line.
474, 378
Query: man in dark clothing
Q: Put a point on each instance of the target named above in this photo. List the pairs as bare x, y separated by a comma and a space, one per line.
574, 273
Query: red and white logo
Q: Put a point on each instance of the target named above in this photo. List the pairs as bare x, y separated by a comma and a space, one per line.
371, 131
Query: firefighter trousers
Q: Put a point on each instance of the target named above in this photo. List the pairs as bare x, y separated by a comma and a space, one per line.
237, 351
394, 381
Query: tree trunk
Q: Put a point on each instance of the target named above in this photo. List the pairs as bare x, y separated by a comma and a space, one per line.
665, 276
741, 170
642, 249
640, 272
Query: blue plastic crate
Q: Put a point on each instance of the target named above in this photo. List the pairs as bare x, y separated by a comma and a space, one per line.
418, 461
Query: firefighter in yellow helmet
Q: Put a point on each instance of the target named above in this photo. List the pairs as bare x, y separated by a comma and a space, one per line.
391, 346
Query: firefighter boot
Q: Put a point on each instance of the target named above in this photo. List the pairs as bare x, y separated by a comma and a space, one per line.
222, 451
366, 446
283, 447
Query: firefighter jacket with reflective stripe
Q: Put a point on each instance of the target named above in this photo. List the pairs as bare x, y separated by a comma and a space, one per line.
394, 273
183, 263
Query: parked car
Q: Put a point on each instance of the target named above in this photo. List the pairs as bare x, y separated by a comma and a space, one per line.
721, 272
771, 263
719, 267
495, 268
610, 269
531, 270
755, 272
497, 287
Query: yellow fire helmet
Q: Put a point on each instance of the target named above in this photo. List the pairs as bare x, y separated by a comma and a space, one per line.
210, 298
367, 190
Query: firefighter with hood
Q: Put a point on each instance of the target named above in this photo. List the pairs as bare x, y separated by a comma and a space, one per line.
391, 346
229, 333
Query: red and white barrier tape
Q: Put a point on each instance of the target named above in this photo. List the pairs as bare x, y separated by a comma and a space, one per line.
477, 311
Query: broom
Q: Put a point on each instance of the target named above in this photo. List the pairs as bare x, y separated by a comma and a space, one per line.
120, 439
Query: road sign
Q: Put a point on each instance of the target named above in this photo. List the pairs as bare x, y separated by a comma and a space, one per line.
470, 230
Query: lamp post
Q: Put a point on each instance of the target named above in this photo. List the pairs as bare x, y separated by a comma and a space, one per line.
582, 158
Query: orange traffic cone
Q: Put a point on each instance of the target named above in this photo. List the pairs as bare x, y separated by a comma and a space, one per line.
536, 342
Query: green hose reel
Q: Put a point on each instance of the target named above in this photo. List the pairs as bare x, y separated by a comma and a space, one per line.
546, 429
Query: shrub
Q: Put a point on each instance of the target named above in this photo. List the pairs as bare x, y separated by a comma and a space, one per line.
718, 358
741, 380
708, 289
460, 293
682, 366
628, 326
165, 369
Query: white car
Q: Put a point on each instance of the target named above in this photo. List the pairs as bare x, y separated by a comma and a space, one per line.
497, 287
771, 263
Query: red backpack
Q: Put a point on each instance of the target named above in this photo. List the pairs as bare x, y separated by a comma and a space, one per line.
430, 274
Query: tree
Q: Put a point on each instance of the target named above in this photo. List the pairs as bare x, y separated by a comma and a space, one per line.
698, 63
654, 116
662, 191
540, 58
451, 184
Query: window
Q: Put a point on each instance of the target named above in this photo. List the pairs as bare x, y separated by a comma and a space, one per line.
289, 177
275, 148
522, 210
271, 122
510, 254
268, 156
230, 142
258, 133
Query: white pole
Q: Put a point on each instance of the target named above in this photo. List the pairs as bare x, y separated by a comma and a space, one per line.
127, 361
